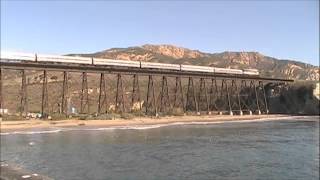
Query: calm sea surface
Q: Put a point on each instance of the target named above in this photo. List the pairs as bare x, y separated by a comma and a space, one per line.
285, 149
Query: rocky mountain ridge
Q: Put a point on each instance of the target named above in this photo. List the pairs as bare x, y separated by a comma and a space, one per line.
268, 66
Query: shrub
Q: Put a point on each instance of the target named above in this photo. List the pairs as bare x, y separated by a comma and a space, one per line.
12, 118
57, 116
296, 99
126, 116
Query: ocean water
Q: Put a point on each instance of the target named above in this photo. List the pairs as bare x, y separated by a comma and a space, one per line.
282, 149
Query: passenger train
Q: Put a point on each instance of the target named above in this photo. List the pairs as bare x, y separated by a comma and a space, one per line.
16, 57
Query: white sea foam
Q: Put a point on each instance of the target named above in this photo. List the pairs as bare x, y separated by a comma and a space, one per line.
135, 127
32, 132
145, 127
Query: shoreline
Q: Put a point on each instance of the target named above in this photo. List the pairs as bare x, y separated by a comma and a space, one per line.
138, 122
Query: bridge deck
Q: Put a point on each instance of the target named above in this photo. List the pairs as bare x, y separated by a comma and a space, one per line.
126, 70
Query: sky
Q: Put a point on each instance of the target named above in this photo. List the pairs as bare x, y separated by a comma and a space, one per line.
281, 29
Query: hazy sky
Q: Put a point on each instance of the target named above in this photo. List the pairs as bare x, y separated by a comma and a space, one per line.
282, 29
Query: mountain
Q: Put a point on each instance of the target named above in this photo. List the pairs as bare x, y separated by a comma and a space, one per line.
268, 66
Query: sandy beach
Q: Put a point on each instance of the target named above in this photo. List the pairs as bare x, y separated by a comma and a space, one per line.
34, 124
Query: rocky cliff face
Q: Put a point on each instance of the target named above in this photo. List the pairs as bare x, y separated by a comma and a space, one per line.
173, 51
271, 67
268, 66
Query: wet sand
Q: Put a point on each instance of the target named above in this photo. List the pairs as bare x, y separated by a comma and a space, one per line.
34, 124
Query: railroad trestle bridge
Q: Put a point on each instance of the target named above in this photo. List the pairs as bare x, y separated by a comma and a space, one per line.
145, 91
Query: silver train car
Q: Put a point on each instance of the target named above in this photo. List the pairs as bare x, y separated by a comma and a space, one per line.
196, 68
160, 66
227, 71
251, 71
16, 57
113, 62
9, 56
63, 59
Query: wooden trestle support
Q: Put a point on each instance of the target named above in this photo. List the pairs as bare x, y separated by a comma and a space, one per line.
64, 101
164, 95
151, 107
23, 95
84, 96
178, 102
207, 95
44, 97
102, 101
192, 102
136, 96
203, 98
120, 101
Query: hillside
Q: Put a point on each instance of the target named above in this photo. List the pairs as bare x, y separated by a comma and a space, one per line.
268, 66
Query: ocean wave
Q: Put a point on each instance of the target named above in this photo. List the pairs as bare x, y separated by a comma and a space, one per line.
140, 127
145, 127
137, 127
32, 132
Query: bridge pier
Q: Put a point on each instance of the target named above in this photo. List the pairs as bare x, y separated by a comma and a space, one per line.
214, 92
23, 95
203, 92
244, 97
191, 92
224, 102
235, 97
164, 95
264, 97
136, 93
84, 96
102, 94
253, 98
256, 98
229, 102
238, 97
179, 90
65, 87
44, 97
119, 96
151, 100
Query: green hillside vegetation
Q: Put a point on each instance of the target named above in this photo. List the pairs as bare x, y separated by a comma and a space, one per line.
297, 99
